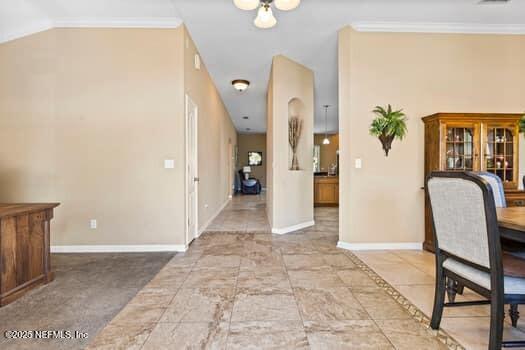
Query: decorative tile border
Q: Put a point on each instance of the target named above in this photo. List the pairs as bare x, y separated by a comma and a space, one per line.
416, 314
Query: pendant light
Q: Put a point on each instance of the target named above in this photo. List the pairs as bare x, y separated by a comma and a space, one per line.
326, 140
246, 5
287, 5
265, 18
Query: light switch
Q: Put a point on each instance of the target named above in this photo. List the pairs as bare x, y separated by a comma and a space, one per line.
197, 62
169, 164
93, 224
358, 163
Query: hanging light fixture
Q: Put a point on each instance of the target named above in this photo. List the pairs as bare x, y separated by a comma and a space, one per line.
265, 18
326, 140
246, 5
240, 84
287, 5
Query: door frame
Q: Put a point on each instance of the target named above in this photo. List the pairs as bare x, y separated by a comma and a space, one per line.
187, 103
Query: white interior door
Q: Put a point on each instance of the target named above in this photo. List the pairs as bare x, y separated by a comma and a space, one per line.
192, 177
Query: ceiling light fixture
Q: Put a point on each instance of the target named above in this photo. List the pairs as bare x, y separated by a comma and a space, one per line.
246, 5
287, 5
240, 84
326, 140
265, 18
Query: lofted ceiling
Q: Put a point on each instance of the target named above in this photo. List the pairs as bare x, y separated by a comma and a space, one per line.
232, 47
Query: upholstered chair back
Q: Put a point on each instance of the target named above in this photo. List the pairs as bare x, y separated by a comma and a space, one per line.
458, 211
497, 187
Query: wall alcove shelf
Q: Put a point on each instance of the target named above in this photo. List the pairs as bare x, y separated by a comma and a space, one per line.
296, 110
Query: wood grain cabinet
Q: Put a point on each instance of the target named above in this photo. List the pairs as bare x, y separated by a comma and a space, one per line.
326, 191
473, 142
24, 248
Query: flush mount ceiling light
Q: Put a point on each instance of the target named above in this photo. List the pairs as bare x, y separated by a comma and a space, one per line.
240, 84
265, 18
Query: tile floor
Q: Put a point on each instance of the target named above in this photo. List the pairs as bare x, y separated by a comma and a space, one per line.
412, 274
247, 290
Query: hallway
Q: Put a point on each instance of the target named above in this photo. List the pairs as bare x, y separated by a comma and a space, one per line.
244, 213
245, 289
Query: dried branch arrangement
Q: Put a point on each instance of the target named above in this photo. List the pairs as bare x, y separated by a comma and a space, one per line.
295, 127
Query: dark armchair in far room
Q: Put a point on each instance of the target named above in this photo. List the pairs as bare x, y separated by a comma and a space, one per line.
249, 186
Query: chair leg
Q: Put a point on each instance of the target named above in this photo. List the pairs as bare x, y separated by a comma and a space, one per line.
439, 301
452, 289
460, 288
497, 313
514, 314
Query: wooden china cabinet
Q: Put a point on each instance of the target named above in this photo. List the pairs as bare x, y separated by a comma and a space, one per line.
473, 142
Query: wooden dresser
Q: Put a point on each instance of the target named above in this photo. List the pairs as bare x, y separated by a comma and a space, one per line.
473, 142
24, 248
326, 191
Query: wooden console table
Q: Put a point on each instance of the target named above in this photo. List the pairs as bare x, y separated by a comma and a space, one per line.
24, 248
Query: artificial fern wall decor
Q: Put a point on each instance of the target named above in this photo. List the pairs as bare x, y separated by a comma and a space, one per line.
388, 125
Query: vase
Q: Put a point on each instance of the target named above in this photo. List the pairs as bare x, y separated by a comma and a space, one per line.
295, 162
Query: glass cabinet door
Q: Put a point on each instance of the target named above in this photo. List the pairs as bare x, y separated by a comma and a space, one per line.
499, 152
459, 148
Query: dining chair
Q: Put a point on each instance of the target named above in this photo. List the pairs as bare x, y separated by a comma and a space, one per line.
498, 190
453, 287
497, 187
468, 248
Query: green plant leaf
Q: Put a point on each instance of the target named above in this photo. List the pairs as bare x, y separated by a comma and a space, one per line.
522, 124
389, 122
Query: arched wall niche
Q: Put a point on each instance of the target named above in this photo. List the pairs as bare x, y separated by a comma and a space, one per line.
296, 109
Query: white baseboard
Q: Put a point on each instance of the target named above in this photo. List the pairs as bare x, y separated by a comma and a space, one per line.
205, 226
380, 246
283, 230
118, 248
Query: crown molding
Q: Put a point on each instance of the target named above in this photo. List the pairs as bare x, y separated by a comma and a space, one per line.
33, 28
459, 28
139, 22
168, 22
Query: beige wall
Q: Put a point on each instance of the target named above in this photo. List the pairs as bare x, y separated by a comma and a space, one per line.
424, 74
290, 192
328, 152
256, 143
216, 131
87, 118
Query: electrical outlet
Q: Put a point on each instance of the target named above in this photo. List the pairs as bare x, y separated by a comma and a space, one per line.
93, 224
